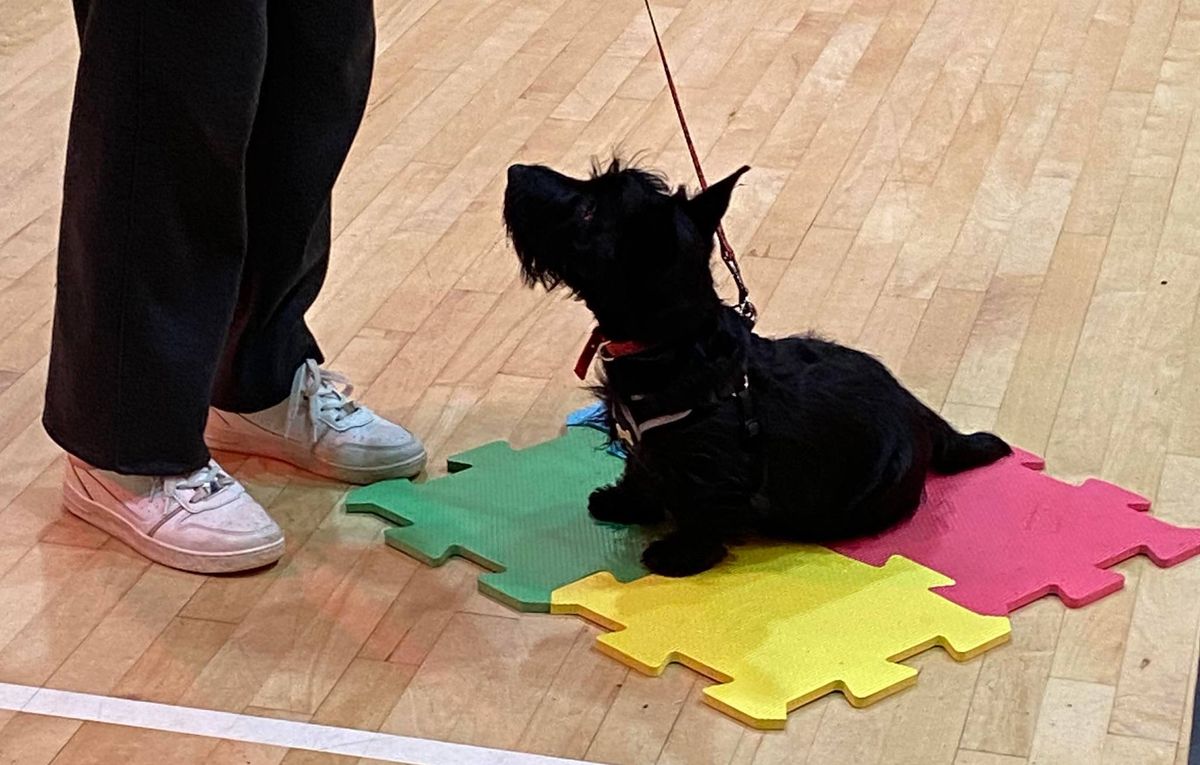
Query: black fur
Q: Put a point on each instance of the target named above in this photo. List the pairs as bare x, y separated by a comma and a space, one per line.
842, 449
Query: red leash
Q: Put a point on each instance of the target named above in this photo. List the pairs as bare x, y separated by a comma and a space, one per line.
744, 306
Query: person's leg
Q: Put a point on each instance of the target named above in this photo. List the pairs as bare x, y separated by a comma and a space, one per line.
150, 257
314, 92
271, 397
153, 228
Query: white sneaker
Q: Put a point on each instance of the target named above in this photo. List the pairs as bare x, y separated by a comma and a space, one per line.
204, 522
319, 428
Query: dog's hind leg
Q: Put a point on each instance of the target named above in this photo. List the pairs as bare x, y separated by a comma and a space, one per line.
705, 518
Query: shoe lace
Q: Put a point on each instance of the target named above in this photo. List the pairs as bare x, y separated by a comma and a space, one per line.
326, 393
206, 482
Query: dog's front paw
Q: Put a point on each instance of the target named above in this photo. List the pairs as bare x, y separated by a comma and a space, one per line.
681, 555
616, 504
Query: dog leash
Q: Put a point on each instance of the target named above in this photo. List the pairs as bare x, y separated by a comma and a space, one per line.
744, 306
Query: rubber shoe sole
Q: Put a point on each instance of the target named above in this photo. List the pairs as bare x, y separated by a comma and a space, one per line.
99, 515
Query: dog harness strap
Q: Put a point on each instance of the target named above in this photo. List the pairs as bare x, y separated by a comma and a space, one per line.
630, 430
746, 405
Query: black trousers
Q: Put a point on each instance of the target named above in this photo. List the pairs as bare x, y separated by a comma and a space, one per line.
205, 139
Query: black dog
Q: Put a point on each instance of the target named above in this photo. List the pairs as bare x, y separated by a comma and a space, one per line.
728, 434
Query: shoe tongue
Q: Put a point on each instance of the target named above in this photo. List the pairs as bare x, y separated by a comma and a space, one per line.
209, 472
207, 481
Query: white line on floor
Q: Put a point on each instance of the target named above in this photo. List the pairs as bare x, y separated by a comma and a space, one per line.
257, 730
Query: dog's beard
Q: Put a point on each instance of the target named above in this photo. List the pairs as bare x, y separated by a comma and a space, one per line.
536, 269
530, 242
541, 250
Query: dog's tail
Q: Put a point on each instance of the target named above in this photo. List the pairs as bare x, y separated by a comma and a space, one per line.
954, 452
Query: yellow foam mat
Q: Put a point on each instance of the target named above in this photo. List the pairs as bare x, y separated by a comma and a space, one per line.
781, 625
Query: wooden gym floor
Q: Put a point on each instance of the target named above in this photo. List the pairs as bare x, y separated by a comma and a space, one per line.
1001, 198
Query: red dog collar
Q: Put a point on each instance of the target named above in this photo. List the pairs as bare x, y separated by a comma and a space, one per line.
611, 349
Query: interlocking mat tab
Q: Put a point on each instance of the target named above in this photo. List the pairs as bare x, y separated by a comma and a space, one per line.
1007, 534
520, 513
781, 625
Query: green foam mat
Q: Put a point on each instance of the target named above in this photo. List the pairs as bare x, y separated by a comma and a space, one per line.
522, 514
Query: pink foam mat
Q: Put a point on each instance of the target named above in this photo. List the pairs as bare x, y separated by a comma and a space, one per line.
1008, 534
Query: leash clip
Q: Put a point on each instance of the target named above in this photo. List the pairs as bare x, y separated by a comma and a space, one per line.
748, 312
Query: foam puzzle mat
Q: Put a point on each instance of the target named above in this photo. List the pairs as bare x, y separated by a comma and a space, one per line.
777, 625
781, 625
522, 514
1008, 534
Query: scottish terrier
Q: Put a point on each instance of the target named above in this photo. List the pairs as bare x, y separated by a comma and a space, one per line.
729, 435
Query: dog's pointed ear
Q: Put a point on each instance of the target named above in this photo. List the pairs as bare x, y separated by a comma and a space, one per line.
707, 207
